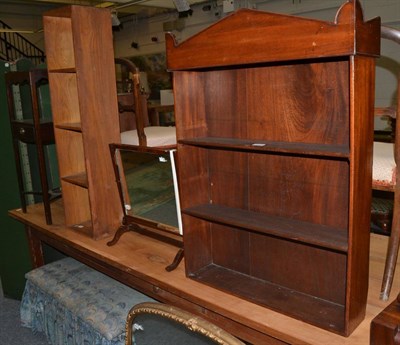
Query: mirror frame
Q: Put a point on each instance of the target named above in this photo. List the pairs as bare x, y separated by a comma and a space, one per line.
163, 232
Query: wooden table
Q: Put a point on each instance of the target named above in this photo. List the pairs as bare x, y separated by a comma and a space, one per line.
139, 261
155, 109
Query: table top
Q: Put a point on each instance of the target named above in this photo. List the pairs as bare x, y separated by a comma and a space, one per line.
139, 260
160, 107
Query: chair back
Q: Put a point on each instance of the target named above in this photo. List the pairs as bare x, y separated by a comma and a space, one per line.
132, 105
386, 177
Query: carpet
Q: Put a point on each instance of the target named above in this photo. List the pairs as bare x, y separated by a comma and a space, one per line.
11, 331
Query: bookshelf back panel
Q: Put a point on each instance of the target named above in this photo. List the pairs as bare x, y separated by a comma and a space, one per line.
228, 169
277, 261
60, 47
302, 188
190, 103
226, 103
231, 248
65, 101
304, 102
72, 159
196, 235
193, 176
76, 205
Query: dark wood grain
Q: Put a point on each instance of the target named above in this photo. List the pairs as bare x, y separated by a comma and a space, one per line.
273, 296
282, 227
248, 37
385, 326
255, 145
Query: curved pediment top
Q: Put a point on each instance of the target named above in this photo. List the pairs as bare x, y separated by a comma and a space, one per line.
236, 23
349, 12
254, 36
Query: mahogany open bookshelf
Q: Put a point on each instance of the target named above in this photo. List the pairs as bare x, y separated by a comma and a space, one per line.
274, 117
80, 60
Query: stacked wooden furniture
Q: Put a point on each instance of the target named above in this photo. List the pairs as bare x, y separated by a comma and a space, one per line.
79, 49
274, 120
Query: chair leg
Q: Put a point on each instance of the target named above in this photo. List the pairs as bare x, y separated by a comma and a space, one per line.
393, 249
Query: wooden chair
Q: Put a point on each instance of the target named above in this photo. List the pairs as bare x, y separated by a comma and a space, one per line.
134, 121
386, 176
158, 323
139, 139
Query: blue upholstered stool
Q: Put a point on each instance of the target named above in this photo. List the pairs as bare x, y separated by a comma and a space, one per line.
74, 304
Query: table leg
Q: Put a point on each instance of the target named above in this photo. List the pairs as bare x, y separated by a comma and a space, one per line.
154, 117
35, 247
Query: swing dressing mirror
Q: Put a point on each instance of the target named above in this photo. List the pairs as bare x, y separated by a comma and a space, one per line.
148, 190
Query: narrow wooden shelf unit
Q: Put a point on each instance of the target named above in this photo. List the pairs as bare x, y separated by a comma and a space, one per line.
80, 60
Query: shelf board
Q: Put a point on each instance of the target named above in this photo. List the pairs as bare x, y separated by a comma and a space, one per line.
291, 302
73, 126
77, 179
308, 233
83, 227
31, 122
63, 70
309, 149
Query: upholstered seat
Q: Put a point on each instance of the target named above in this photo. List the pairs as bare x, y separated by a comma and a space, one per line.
133, 105
384, 165
75, 304
155, 136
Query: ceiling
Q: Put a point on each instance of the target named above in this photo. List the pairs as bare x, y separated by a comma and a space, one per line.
142, 8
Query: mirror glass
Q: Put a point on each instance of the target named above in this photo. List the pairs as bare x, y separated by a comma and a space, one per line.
147, 185
154, 328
